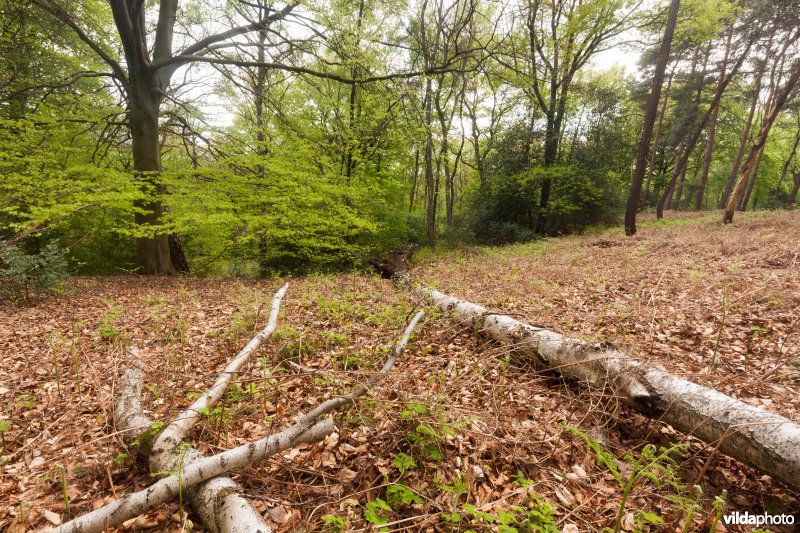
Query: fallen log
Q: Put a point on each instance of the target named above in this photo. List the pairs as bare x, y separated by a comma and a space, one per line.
202, 469
309, 428
764, 440
217, 501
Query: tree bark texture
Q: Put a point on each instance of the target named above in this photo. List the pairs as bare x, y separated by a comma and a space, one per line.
649, 120
764, 440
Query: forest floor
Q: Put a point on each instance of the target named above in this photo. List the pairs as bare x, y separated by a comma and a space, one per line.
460, 435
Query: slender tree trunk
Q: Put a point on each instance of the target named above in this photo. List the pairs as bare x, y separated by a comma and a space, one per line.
415, 177
742, 142
431, 190
650, 119
793, 195
675, 202
712, 127
352, 104
751, 182
785, 166
769, 118
656, 142
666, 198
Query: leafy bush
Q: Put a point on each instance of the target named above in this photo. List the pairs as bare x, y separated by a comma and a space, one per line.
25, 276
507, 209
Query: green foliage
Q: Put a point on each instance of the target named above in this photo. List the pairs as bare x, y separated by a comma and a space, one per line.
333, 522
656, 465
536, 516
398, 494
377, 513
26, 276
427, 430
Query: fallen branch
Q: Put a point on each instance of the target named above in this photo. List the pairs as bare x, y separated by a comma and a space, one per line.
168, 488
309, 428
759, 438
163, 453
217, 501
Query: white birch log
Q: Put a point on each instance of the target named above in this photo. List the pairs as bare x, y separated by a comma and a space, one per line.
202, 469
759, 438
309, 428
217, 501
162, 456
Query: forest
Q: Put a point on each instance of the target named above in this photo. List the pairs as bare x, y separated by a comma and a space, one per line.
428, 265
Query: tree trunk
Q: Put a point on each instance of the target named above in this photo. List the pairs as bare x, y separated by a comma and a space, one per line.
712, 127
751, 182
785, 166
742, 142
666, 198
431, 189
649, 120
152, 251
795, 190
415, 177
769, 118
656, 142
675, 202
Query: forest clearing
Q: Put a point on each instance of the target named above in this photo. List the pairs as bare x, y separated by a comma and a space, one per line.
458, 266
460, 434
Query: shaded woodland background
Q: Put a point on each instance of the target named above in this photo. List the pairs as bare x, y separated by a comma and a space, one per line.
253, 139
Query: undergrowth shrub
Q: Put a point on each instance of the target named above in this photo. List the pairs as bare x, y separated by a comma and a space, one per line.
25, 276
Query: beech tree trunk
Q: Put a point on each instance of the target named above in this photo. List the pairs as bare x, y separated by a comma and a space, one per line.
152, 251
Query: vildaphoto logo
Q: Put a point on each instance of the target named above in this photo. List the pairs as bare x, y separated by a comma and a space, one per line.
746, 518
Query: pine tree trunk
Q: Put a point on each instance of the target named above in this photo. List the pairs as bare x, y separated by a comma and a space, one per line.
742, 142
751, 182
769, 119
712, 127
649, 120
656, 142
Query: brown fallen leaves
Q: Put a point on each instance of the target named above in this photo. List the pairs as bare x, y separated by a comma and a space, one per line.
456, 411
